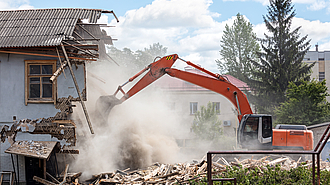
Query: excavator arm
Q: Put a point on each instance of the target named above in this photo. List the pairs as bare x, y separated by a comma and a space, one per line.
213, 82
254, 130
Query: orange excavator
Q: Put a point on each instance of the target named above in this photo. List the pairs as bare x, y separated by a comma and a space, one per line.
255, 130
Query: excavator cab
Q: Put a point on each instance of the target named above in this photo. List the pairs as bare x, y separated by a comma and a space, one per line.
255, 131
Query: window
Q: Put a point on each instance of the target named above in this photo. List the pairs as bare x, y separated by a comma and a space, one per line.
321, 76
216, 106
193, 107
38, 88
267, 126
251, 128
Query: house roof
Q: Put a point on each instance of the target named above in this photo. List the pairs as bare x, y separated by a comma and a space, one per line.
41, 27
238, 83
170, 83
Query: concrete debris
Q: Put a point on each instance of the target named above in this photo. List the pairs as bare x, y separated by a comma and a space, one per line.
58, 126
60, 129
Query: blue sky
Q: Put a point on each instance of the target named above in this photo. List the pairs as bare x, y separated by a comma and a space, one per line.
190, 28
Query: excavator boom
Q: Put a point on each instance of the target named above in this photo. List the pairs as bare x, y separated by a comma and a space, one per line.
211, 81
254, 131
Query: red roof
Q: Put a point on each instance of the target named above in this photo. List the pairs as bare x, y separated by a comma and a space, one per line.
171, 83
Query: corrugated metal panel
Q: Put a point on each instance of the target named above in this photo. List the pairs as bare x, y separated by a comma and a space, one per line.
41, 27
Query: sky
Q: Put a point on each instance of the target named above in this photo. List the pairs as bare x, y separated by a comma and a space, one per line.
190, 28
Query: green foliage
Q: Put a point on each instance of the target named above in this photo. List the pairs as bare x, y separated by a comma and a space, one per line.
139, 59
269, 175
238, 45
206, 124
281, 60
306, 104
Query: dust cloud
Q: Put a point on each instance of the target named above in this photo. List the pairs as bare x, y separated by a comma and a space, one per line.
136, 134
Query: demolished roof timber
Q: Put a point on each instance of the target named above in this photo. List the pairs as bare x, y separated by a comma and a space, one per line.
85, 51
78, 91
45, 55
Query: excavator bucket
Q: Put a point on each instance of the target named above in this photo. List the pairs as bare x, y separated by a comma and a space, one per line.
103, 106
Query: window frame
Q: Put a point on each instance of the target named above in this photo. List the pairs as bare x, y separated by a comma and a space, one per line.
321, 76
27, 82
217, 108
191, 105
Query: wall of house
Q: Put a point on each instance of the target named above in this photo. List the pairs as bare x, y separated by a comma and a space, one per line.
12, 103
322, 65
66, 86
12, 89
181, 105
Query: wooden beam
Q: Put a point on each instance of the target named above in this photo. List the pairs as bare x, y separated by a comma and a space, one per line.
69, 152
59, 58
58, 71
52, 178
47, 48
87, 52
45, 168
65, 174
89, 33
44, 55
78, 91
43, 181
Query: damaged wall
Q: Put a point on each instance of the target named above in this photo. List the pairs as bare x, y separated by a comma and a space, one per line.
67, 87
12, 101
12, 91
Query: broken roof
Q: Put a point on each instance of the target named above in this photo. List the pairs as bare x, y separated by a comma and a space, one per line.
37, 149
41, 27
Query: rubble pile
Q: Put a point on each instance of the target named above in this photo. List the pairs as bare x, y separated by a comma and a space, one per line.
285, 163
184, 172
155, 174
180, 173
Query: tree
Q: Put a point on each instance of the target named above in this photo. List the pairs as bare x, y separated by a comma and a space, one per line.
139, 59
206, 124
238, 45
148, 55
280, 62
306, 104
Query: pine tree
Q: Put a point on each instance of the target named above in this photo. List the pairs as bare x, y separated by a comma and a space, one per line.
281, 59
238, 45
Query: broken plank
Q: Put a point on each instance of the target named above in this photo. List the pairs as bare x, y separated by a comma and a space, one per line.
43, 181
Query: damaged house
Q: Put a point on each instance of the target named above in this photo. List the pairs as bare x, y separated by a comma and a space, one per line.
43, 57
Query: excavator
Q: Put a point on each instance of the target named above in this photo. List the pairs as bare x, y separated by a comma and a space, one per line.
255, 130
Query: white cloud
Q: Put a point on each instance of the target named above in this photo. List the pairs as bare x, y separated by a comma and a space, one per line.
263, 2
194, 36
317, 31
185, 27
14, 4
319, 5
173, 13
314, 5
